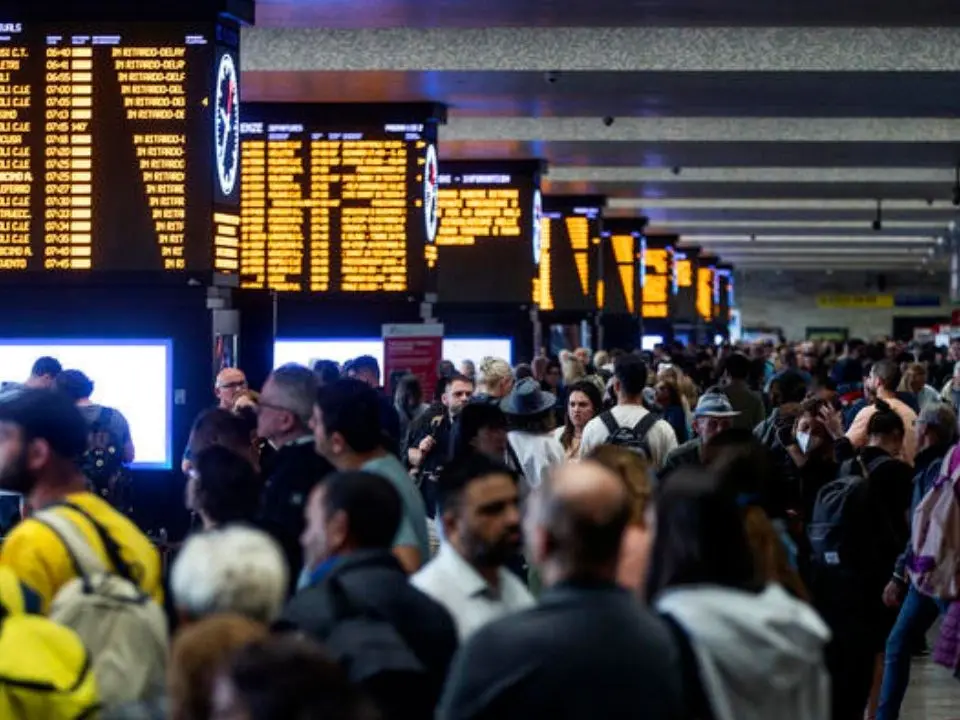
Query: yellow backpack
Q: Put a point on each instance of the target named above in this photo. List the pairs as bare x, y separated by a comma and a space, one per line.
45, 671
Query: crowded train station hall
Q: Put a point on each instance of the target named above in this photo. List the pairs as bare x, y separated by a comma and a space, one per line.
434, 359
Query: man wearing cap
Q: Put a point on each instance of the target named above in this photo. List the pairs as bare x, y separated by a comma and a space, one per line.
42, 436
532, 448
713, 415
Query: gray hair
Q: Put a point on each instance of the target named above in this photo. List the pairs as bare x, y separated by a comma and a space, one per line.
942, 417
234, 569
296, 389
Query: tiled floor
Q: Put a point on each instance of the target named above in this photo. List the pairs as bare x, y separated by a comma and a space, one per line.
934, 693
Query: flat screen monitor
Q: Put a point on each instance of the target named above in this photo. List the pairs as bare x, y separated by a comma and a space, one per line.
132, 375
649, 342
340, 350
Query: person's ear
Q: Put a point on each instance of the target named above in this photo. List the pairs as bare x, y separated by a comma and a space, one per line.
38, 454
338, 528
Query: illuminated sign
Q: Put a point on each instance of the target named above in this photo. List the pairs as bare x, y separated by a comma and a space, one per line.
489, 230
96, 169
705, 292
568, 258
334, 204
656, 276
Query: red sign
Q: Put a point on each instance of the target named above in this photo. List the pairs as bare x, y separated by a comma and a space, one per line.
415, 349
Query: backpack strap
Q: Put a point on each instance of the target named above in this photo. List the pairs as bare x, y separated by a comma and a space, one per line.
645, 425
85, 561
607, 418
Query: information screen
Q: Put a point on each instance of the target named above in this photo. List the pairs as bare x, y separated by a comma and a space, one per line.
569, 249
335, 205
119, 147
618, 287
488, 243
705, 291
656, 274
684, 281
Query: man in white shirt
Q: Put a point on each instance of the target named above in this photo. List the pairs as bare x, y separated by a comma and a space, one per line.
630, 378
480, 507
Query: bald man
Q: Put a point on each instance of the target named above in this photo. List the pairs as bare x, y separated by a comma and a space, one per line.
588, 649
231, 384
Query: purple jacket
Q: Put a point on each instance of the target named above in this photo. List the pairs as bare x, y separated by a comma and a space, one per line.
947, 650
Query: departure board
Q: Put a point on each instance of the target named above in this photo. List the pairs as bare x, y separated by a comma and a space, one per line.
569, 250
656, 274
119, 148
705, 292
619, 284
487, 246
334, 201
684, 285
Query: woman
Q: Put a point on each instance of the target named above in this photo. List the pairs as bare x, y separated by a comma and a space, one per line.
494, 380
584, 402
531, 446
749, 650
223, 488
671, 403
481, 428
408, 402
637, 477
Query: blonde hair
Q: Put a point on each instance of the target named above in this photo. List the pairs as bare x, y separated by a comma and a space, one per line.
493, 374
601, 358
633, 471
573, 370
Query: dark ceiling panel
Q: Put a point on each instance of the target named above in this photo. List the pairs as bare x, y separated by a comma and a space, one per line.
798, 217
815, 191
600, 13
586, 94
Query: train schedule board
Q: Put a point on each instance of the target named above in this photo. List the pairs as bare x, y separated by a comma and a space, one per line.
656, 276
338, 198
569, 252
706, 270
618, 288
487, 247
119, 148
723, 295
685, 266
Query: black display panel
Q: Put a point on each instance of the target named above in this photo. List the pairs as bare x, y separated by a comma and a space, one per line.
338, 199
619, 290
118, 148
569, 253
723, 299
685, 284
488, 241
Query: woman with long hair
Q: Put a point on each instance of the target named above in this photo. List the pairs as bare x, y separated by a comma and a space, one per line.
674, 412
584, 403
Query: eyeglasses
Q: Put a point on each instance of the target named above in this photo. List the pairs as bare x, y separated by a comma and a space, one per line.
270, 406
235, 385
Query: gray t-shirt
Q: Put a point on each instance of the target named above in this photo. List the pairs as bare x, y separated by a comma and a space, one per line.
413, 526
116, 423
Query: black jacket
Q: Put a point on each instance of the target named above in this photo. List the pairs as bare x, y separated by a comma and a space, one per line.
374, 579
588, 650
289, 476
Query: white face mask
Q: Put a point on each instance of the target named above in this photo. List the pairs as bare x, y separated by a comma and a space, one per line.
803, 441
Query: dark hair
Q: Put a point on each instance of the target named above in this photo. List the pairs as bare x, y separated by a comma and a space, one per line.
631, 372
289, 676
552, 364
351, 408
463, 470
74, 384
364, 363
700, 536
50, 416
737, 366
521, 371
746, 468
885, 421
474, 417
327, 371
228, 489
792, 387
596, 399
887, 372
372, 506
409, 392
219, 427
46, 365
457, 377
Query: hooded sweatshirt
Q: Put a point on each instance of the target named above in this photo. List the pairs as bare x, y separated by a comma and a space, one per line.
759, 656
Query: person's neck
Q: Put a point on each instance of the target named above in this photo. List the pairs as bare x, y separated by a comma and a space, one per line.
490, 573
552, 575
46, 493
355, 460
280, 440
84, 402
623, 399
884, 394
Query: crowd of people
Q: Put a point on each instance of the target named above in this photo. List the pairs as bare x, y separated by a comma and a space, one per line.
687, 534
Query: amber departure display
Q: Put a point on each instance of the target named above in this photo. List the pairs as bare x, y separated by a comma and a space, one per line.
618, 287
684, 285
332, 204
119, 147
656, 273
569, 248
488, 242
705, 291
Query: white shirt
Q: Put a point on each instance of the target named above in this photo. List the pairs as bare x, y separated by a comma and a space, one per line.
455, 584
537, 454
661, 437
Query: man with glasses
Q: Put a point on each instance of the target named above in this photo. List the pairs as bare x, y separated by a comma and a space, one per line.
294, 469
230, 386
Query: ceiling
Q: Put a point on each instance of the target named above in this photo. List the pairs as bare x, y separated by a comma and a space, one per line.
768, 169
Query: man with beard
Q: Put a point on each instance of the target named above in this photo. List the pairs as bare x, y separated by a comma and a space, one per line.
480, 507
42, 435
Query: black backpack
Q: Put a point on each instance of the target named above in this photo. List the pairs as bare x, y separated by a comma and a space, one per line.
102, 463
377, 658
836, 530
633, 439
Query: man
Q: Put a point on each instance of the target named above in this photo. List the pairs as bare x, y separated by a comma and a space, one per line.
78, 387
431, 446
43, 373
366, 369
352, 520
629, 380
936, 433
231, 384
748, 404
587, 632
42, 433
480, 506
346, 427
951, 390
293, 469
883, 382
712, 416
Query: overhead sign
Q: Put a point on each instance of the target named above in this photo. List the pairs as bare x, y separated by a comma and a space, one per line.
855, 302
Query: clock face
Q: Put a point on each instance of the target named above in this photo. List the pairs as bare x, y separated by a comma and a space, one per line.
227, 124
537, 228
430, 193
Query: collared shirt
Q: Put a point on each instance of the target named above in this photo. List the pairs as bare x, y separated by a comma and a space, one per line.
455, 584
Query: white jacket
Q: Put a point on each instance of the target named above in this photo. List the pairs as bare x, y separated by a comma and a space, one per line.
759, 656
